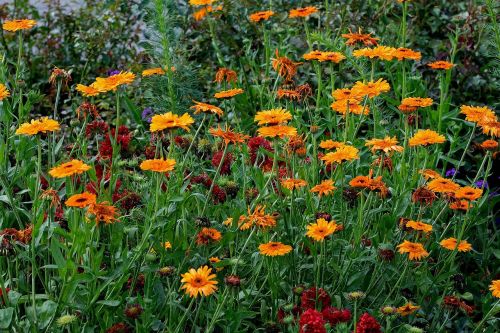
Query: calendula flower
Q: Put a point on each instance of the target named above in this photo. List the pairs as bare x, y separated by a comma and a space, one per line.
15, 25
87, 91
158, 165
425, 138
290, 94
330, 56
285, 67
321, 229
277, 131
402, 53
153, 71
451, 244
293, 184
228, 135
387, 144
358, 37
345, 94
37, 126
81, 200
199, 281
489, 145
225, 74
443, 65
442, 185
73, 167
344, 106
429, 174
460, 205
272, 117
478, 114
208, 235
4, 92
371, 89
491, 128
167, 245
170, 121
111, 83
411, 104
360, 181
302, 12
313, 55
380, 52
200, 2
415, 251
324, 188
330, 144
205, 107
102, 212
228, 93
258, 218
419, 226
407, 309
346, 153
468, 193
495, 288
261, 16
273, 249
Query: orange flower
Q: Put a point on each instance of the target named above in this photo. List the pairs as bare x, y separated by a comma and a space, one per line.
419, 226
200, 2
358, 37
334, 57
451, 244
313, 55
302, 12
291, 94
225, 74
4, 93
273, 117
273, 249
330, 144
158, 165
321, 229
402, 53
87, 91
169, 120
429, 174
205, 107
277, 131
153, 71
371, 89
70, 168
408, 308
349, 105
489, 145
261, 16
360, 181
102, 213
41, 125
491, 128
323, 188
387, 144
425, 138
258, 218
478, 114
411, 104
199, 281
468, 193
441, 65
461, 205
495, 288
292, 184
228, 93
415, 251
285, 67
443, 185
208, 235
111, 83
16, 25
81, 200
345, 94
381, 52
346, 153
228, 135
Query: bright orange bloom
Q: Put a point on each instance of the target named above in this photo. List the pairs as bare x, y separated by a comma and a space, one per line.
407, 309
87, 91
228, 93
290, 94
285, 67
461, 205
102, 212
380, 52
273, 249
258, 218
293, 184
199, 281
371, 89
419, 226
205, 107
70, 168
359, 37
208, 235
169, 120
111, 83
345, 94
323, 188
343, 106
334, 57
277, 131
158, 165
429, 174
225, 74
468, 193
321, 229
346, 153
478, 114
4, 93
387, 144
411, 104
451, 244
81, 200
16, 25
313, 55
491, 128
402, 53
228, 135
442, 185
272, 117
261, 16
200, 2
425, 138
330, 144
153, 71
37, 126
495, 288
489, 145
360, 181
302, 12
445, 65
415, 251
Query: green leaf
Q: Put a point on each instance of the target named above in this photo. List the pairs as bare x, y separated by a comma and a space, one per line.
6, 317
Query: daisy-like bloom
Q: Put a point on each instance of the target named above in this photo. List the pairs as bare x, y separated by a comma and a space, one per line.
407, 309
272, 117
358, 37
345, 94
380, 52
290, 94
261, 16
4, 93
228, 93
349, 105
228, 222
277, 131
200, 2
302, 12
387, 144
16, 25
489, 145
346, 153
167, 245
468, 193
402, 53
371, 89
228, 135
153, 71
111, 83
87, 91
321, 229
273, 249
199, 281
225, 74
360, 181
451, 244
443, 65
411, 104
419, 226
313, 55
425, 138
324, 188
285, 67
495, 288
208, 235
478, 114
70, 168
415, 251
81, 200
442, 185
41, 125
102, 212
330, 144
199, 107
331, 56
158, 165
460, 205
258, 218
491, 128
429, 174
293, 184
169, 120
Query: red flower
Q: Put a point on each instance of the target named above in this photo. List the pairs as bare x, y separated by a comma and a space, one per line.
312, 297
225, 168
1, 294
96, 127
255, 144
367, 324
335, 316
218, 194
311, 321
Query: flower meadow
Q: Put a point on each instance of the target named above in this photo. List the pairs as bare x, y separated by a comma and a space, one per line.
265, 166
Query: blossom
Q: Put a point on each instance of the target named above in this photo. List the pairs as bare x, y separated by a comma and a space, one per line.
387, 144
407, 309
285, 67
199, 281
443, 65
4, 92
158, 165
323, 188
70, 168
425, 138
358, 37
153, 71
261, 16
451, 244
228, 93
302, 12
321, 229
228, 135
346, 153
415, 251
371, 88
273, 249
442, 185
273, 117
495, 288
111, 83
311, 321
380, 52
402, 53
102, 212
170, 121
277, 131
468, 193
199, 107
15, 25
41, 125
81, 200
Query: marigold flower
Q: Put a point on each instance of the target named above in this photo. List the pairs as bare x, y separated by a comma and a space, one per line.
81, 200
491, 128
200, 2
87, 91
381, 52
170, 121
153, 71
489, 145
41, 125
345, 94
411, 104
321, 229
460, 205
402, 53
258, 218
360, 181
4, 92
290, 94
111, 83
302, 12
495, 288
261, 16
273, 249
323, 188
158, 165
228, 135
387, 144
285, 67
349, 105
70, 168
358, 37
313, 55
429, 174
102, 212
444, 65
205, 107
419, 226
330, 144
277, 131
371, 89
423, 196
451, 244
442, 185
468, 193
272, 117
478, 114
415, 251
225, 74
208, 235
425, 138
334, 57
346, 153
293, 184
407, 309
228, 93
15, 25
199, 281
